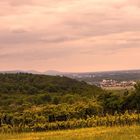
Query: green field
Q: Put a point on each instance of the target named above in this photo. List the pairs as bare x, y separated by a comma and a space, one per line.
98, 133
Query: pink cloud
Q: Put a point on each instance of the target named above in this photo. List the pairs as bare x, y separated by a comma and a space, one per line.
95, 33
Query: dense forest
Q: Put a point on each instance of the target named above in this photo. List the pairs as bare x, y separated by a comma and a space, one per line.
30, 102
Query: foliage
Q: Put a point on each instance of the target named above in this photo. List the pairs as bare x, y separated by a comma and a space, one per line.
38, 102
35, 122
34, 84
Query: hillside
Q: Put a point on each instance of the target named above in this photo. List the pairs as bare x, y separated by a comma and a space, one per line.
34, 84
30, 102
21, 89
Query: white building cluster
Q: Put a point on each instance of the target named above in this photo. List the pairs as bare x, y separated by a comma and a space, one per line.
115, 83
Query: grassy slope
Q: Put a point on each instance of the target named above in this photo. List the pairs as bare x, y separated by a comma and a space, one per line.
102, 133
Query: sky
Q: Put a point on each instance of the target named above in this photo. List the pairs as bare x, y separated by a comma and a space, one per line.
69, 35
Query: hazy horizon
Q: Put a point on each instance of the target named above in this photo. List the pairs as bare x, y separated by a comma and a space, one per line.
69, 35
49, 71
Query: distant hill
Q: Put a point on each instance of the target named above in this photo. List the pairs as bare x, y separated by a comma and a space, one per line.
34, 84
96, 77
89, 77
21, 71
49, 72
53, 72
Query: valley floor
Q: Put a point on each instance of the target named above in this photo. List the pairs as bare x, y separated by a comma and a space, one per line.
98, 133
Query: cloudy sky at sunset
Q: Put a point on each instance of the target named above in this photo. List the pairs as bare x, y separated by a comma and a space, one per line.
69, 35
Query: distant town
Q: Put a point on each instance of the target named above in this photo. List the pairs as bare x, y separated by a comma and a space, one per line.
114, 83
112, 79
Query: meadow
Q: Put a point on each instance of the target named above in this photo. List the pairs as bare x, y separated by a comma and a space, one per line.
97, 133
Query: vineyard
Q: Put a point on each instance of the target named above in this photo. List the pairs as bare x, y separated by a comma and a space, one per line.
40, 124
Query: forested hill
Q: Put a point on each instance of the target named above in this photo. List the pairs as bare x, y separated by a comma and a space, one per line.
35, 84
